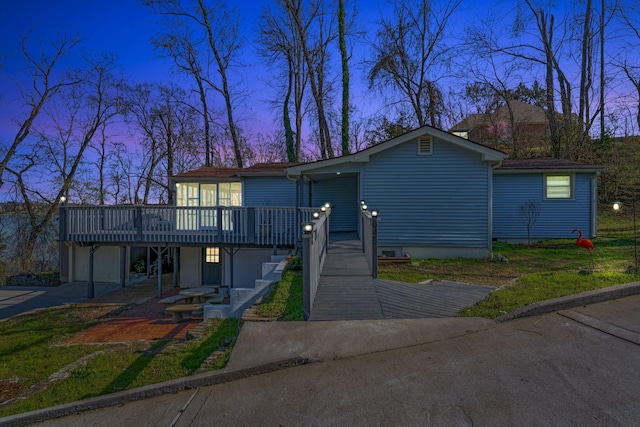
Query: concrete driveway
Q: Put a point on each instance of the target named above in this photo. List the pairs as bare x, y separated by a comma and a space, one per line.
578, 366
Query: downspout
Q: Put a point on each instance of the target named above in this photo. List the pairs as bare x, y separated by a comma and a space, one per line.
490, 211
594, 205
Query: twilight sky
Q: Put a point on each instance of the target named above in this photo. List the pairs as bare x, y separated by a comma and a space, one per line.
124, 27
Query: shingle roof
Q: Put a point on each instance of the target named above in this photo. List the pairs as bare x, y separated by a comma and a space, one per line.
545, 163
228, 173
522, 113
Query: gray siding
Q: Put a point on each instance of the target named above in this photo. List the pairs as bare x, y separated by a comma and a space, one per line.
557, 217
342, 193
438, 200
269, 191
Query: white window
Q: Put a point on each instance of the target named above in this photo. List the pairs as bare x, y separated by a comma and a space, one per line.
212, 255
196, 194
558, 186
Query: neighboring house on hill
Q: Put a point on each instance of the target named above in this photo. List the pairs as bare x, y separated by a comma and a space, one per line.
438, 196
528, 126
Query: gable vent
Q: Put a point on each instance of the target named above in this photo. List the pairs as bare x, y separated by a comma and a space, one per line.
425, 145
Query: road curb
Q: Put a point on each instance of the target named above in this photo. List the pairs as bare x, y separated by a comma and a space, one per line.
173, 386
571, 301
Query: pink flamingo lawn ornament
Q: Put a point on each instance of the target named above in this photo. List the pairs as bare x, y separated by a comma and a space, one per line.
585, 243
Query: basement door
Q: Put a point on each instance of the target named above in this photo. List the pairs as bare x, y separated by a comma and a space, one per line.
211, 266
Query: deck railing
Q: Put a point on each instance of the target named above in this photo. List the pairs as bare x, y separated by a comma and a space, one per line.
181, 225
315, 241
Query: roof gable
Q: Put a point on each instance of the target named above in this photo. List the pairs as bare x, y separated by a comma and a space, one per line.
488, 154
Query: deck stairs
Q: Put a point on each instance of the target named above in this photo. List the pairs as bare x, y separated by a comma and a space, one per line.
241, 298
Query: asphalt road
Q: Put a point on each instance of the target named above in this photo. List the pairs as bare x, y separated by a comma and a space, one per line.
577, 367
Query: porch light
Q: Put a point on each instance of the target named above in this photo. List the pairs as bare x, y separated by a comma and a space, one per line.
63, 199
362, 202
316, 215
327, 205
364, 207
323, 209
307, 227
374, 213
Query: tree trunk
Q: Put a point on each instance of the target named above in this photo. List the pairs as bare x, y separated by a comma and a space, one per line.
345, 78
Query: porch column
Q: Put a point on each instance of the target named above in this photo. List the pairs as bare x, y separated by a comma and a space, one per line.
299, 203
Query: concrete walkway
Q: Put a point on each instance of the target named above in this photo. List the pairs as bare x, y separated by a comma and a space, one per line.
347, 291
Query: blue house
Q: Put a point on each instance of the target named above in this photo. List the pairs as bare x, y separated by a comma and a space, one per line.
564, 193
438, 196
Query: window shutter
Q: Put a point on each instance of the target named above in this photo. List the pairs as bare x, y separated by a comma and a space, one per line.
425, 145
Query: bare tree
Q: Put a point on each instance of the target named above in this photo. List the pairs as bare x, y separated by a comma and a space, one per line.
217, 26
629, 63
315, 29
46, 83
168, 128
344, 57
280, 47
545, 43
528, 212
60, 151
412, 52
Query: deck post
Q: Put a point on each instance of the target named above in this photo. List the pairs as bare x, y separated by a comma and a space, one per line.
148, 262
62, 222
90, 285
175, 267
251, 225
138, 223
123, 263
374, 246
159, 261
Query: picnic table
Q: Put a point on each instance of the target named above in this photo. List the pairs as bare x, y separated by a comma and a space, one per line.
190, 300
197, 294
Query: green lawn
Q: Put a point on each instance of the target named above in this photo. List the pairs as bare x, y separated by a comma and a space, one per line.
537, 272
35, 367
285, 302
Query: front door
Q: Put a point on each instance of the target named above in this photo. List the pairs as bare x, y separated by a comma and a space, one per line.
211, 266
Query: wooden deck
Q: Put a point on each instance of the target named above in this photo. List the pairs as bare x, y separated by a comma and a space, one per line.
347, 291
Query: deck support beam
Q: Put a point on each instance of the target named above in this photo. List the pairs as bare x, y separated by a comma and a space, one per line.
123, 265
176, 260
231, 251
90, 285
